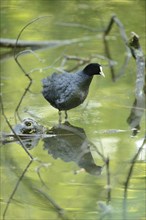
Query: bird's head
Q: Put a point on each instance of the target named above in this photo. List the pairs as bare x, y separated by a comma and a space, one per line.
93, 69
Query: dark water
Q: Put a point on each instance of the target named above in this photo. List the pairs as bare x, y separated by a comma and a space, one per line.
55, 186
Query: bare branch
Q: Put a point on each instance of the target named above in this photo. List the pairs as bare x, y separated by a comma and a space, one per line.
115, 20
139, 102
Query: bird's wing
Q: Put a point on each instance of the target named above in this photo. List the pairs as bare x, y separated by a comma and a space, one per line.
55, 86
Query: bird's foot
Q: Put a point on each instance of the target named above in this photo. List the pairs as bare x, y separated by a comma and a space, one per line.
66, 116
60, 117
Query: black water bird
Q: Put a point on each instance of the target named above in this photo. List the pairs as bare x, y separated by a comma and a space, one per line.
68, 90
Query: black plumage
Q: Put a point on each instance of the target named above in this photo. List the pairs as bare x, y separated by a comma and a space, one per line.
68, 90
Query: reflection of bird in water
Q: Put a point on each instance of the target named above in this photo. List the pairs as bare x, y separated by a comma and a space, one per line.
63, 141
68, 90
70, 144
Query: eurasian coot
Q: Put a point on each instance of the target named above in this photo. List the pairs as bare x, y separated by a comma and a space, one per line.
68, 90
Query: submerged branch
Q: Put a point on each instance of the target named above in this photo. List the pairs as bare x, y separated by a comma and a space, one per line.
139, 102
133, 48
11, 43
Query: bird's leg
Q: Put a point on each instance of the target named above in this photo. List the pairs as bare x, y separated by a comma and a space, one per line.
66, 116
60, 118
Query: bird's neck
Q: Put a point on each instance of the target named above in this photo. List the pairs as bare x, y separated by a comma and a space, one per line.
85, 76
84, 79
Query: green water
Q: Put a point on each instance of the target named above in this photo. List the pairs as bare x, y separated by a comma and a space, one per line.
103, 116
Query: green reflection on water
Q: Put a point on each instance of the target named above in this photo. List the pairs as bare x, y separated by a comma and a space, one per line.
107, 107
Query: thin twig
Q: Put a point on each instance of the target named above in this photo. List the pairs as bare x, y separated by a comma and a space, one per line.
115, 20
126, 184
78, 26
108, 181
25, 149
16, 59
59, 210
39, 175
19, 139
15, 189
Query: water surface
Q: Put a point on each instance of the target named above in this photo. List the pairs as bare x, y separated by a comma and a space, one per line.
55, 186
